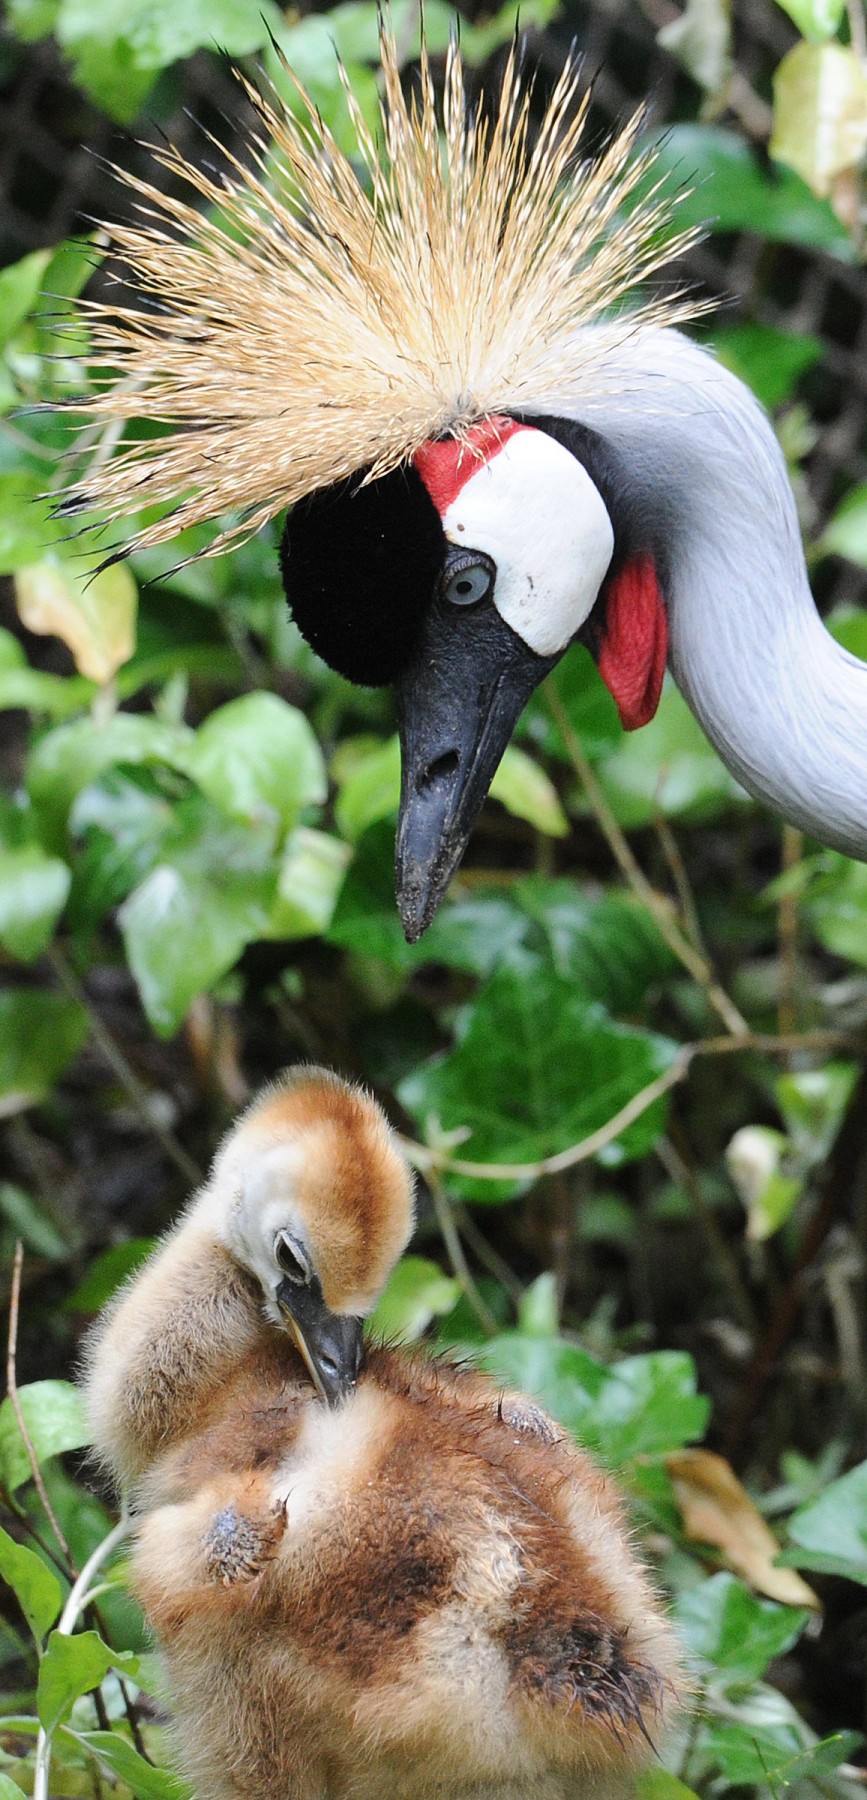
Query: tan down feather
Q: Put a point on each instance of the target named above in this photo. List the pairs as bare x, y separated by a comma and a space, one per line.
322, 321
428, 1593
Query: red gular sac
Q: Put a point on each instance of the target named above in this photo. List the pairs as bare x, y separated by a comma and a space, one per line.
634, 648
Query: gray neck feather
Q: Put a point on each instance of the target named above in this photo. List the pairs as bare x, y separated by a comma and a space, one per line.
784, 705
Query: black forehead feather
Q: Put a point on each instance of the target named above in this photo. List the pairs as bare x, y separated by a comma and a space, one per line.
360, 565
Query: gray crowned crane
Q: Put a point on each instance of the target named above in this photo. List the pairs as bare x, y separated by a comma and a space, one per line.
488, 453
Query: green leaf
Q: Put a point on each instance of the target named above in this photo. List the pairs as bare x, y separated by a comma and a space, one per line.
659, 1784
36, 1589
836, 907
53, 1413
731, 191
417, 1292
27, 528
589, 707
668, 767
471, 934
846, 533
186, 924
563, 1378
820, 113
815, 19
20, 284
33, 891
107, 1272
536, 1070
649, 1405
538, 1313
769, 360
73, 1666
370, 786
739, 1633
258, 759
40, 1035
30, 1222
607, 945
831, 1533
70, 757
524, 789
32, 19
117, 1755
311, 873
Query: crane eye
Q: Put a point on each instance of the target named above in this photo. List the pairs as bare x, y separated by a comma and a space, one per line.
469, 580
292, 1259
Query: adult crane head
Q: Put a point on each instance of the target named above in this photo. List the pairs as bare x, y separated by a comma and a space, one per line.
486, 454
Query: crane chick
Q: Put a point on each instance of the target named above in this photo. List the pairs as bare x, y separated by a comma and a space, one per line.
373, 1578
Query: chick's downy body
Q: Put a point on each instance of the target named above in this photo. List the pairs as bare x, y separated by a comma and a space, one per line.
423, 1591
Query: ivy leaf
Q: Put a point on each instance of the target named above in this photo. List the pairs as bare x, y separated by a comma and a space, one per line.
846, 532
524, 789
563, 1378
537, 1069
739, 1633
186, 924
53, 1413
830, 1534
36, 1589
40, 1035
71, 756
19, 290
607, 945
820, 113
417, 1292
106, 1274
815, 19
769, 360
668, 767
309, 879
33, 891
93, 614
73, 1666
259, 760
722, 185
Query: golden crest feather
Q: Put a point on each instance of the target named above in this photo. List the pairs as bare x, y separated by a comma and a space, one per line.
326, 319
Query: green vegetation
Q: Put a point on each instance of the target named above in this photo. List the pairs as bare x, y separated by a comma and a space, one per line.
626, 1056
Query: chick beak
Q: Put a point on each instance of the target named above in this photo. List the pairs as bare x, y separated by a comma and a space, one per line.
458, 703
332, 1345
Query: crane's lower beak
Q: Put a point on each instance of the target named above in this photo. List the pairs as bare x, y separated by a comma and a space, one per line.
332, 1346
458, 704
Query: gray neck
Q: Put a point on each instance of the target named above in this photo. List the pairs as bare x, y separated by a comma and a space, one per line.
783, 704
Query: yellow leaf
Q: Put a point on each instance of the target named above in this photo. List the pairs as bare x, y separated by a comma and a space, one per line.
94, 614
717, 1510
820, 113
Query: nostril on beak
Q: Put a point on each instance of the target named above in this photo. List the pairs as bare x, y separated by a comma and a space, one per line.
441, 769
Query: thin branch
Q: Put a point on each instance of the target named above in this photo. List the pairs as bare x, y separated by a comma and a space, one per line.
689, 911
426, 1157
787, 932
12, 1390
116, 1060
685, 1176
489, 1258
455, 1251
657, 904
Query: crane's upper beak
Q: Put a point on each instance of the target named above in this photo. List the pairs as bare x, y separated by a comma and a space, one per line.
332, 1345
458, 703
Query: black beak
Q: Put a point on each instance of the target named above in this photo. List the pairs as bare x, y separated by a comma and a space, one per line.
332, 1346
458, 704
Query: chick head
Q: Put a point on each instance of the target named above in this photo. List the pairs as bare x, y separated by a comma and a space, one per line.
317, 1202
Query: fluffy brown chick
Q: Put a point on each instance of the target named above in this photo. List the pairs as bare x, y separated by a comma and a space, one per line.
422, 1590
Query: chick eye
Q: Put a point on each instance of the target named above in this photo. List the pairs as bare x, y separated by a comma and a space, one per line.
470, 582
292, 1259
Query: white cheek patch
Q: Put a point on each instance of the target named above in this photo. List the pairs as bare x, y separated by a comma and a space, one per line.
536, 512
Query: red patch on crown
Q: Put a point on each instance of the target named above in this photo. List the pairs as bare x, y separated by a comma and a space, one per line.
635, 646
446, 464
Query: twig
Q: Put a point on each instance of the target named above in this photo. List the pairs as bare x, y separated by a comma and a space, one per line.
689, 911
12, 1390
116, 1060
656, 903
456, 1256
489, 1258
426, 1157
